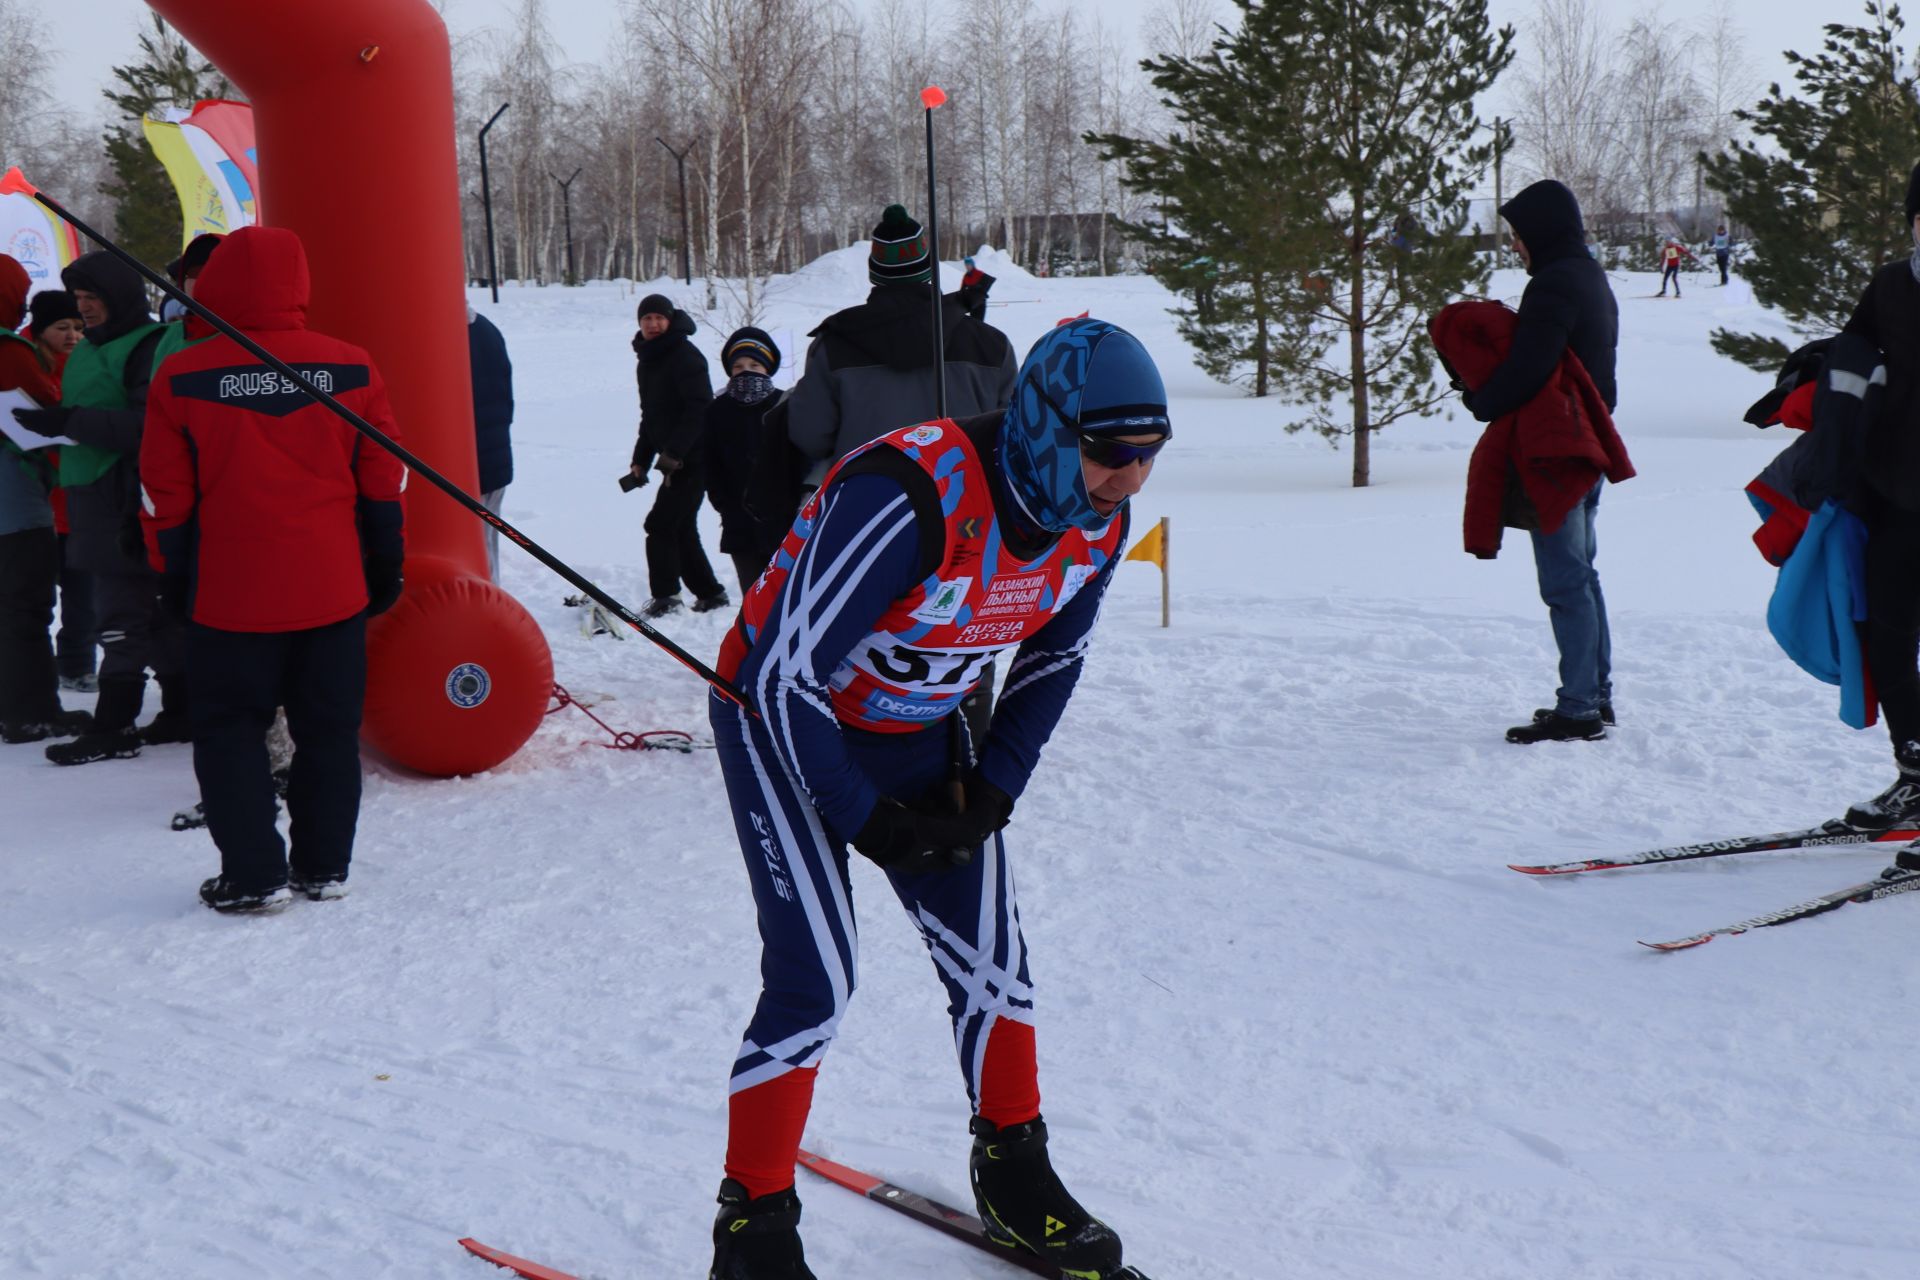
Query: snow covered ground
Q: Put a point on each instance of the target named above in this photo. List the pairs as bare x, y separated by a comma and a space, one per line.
1297, 1018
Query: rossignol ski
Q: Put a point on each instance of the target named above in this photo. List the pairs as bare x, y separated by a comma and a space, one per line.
1834, 833
1885, 885
944, 1218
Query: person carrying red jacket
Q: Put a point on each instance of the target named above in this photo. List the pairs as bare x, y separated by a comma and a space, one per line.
278, 532
1554, 377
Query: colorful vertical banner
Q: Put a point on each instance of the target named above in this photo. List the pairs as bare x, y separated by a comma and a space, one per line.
31, 235
209, 154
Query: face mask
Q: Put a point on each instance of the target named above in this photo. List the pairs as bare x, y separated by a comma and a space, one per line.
750, 388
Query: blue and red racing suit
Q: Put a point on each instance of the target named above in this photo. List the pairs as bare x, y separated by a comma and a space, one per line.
898, 583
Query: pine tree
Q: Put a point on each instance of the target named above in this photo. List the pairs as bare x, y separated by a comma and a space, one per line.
147, 217
1823, 196
1224, 239
1325, 158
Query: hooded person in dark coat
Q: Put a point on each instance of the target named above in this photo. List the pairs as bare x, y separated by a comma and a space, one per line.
103, 407
1888, 316
1567, 307
675, 389
736, 434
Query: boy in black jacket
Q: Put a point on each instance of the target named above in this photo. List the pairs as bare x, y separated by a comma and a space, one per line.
735, 434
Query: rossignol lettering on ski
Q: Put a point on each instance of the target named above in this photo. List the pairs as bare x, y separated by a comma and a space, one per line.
1887, 885
1829, 834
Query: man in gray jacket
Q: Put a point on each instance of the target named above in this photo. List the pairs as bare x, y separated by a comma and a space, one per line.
870, 369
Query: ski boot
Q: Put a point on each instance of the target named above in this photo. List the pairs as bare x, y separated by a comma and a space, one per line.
1024, 1207
1899, 803
757, 1239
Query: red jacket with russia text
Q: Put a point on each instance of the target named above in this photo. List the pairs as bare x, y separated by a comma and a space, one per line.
264, 498
1557, 444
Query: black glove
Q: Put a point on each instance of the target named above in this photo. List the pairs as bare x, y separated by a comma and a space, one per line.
43, 422
176, 595
922, 839
384, 582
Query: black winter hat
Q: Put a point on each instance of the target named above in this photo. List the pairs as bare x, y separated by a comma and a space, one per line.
1913, 195
656, 304
195, 256
899, 254
750, 341
50, 306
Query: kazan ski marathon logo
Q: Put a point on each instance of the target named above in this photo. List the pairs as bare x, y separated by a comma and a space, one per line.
945, 602
468, 685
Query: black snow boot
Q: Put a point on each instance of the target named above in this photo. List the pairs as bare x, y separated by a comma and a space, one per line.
229, 899
1899, 804
1606, 714
112, 736
759, 1238
1551, 726
61, 724
1024, 1207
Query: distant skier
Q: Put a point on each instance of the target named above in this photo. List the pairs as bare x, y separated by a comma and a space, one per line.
1722, 245
923, 555
1888, 316
1670, 258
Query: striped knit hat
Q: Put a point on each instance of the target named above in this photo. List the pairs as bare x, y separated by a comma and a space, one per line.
899, 254
750, 341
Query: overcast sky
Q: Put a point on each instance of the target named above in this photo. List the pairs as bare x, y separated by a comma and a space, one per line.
92, 35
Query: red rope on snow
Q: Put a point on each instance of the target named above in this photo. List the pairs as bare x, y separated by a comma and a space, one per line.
670, 739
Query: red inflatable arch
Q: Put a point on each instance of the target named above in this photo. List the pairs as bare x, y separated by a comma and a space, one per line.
353, 116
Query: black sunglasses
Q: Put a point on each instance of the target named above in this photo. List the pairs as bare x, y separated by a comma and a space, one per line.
1105, 451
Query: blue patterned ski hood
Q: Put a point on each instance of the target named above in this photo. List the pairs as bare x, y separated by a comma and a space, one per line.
1084, 376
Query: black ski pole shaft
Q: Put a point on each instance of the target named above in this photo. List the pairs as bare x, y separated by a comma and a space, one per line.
930, 97
722, 686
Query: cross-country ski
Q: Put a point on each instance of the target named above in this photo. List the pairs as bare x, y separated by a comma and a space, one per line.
1886, 885
1833, 834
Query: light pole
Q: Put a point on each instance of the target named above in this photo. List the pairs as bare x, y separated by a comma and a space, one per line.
486, 202
566, 205
686, 251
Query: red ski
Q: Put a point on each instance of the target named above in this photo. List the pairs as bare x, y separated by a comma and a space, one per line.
519, 1266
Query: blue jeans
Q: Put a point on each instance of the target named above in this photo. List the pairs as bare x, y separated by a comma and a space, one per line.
1571, 587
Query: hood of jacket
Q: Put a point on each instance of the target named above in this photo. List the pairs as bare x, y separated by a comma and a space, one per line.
679, 328
1546, 217
117, 284
257, 279
895, 324
14, 284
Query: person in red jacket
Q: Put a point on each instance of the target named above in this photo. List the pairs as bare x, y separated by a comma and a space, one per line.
29, 551
278, 532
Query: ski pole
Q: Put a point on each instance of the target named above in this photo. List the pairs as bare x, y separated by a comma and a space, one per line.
931, 97
720, 685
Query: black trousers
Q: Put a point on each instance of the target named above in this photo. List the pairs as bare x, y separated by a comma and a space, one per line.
29, 571
73, 647
1893, 618
238, 678
135, 632
674, 553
